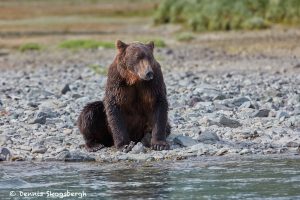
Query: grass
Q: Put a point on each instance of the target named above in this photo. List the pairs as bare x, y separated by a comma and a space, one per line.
94, 44
210, 15
185, 37
30, 47
98, 69
85, 44
16, 9
158, 42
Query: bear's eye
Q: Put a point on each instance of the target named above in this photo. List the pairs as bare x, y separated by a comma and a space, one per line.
140, 56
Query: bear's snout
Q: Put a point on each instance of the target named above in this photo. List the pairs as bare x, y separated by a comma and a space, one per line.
145, 70
149, 75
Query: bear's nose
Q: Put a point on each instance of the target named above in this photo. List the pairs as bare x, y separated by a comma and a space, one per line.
149, 75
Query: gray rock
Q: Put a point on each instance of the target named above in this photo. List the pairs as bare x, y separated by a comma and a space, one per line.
297, 66
239, 101
219, 106
247, 104
209, 122
66, 89
292, 144
184, 141
207, 92
282, 115
245, 151
138, 148
221, 152
38, 93
33, 104
46, 112
25, 148
82, 100
3, 139
194, 100
61, 156
75, 156
294, 121
261, 113
39, 149
227, 122
76, 96
219, 97
5, 154
249, 134
42, 114
38, 120
208, 137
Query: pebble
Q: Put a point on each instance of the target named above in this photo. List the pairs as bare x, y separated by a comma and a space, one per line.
38, 120
61, 156
261, 113
292, 144
230, 107
39, 149
65, 89
138, 148
240, 101
208, 137
3, 139
282, 115
225, 121
76, 156
221, 152
245, 151
246, 104
185, 141
5, 154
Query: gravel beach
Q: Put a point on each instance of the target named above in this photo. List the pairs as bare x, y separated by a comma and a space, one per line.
221, 104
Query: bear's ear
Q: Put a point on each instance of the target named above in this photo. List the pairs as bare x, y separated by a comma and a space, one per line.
121, 46
150, 45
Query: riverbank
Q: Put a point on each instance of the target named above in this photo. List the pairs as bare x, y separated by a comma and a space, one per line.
223, 101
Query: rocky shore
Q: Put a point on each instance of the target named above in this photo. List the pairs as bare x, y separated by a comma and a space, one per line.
220, 104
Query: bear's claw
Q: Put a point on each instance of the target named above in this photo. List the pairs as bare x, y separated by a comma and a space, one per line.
95, 147
128, 147
160, 146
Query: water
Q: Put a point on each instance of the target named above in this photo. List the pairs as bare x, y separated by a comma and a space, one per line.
205, 178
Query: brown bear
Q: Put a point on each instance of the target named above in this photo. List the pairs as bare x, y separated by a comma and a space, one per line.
135, 103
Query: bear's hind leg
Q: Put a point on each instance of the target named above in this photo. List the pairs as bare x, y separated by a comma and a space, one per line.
92, 124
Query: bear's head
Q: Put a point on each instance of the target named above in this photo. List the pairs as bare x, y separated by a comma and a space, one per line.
135, 61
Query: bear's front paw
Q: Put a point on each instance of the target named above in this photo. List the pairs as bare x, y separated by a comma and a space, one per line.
128, 147
160, 145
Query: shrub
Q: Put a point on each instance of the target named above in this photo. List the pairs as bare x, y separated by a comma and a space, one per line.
85, 44
30, 47
206, 15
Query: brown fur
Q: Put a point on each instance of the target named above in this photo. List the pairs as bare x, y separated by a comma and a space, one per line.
135, 102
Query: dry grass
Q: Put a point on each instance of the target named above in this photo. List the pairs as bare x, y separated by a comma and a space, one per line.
18, 9
51, 22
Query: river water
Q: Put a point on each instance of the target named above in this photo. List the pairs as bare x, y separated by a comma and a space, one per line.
204, 178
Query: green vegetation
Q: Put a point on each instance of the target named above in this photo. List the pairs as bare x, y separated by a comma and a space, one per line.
85, 44
207, 15
98, 69
30, 47
157, 41
185, 37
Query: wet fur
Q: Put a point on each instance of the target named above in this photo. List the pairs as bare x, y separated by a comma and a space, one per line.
130, 109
